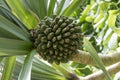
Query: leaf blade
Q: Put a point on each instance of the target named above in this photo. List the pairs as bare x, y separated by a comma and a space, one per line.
26, 69
72, 7
7, 14
15, 44
12, 28
10, 47
39, 7
22, 13
8, 68
51, 7
60, 6
9, 52
95, 57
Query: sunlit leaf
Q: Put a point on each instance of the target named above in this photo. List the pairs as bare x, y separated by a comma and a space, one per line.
8, 14
72, 7
22, 13
107, 36
117, 76
113, 42
8, 68
111, 20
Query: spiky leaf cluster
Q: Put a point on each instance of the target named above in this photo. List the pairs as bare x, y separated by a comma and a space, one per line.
57, 38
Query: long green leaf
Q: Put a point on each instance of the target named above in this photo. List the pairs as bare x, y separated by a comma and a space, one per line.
62, 70
8, 68
12, 28
112, 21
1, 59
4, 11
51, 7
40, 70
46, 77
60, 6
3, 3
9, 52
88, 46
15, 44
6, 34
8, 14
25, 73
12, 47
39, 7
72, 7
22, 13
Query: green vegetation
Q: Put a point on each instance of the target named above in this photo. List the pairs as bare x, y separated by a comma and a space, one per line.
60, 39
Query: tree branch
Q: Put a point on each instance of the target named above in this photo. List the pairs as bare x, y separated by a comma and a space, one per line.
100, 75
85, 58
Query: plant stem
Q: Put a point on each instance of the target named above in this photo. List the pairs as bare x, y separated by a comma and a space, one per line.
85, 58
100, 75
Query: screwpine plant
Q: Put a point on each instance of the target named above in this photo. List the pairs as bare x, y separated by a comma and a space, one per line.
59, 39
56, 39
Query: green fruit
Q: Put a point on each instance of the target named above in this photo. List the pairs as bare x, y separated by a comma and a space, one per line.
57, 39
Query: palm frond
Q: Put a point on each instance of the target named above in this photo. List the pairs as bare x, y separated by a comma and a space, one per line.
39, 7
25, 16
51, 7
8, 68
40, 70
10, 16
25, 73
8, 26
60, 7
72, 7
10, 47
